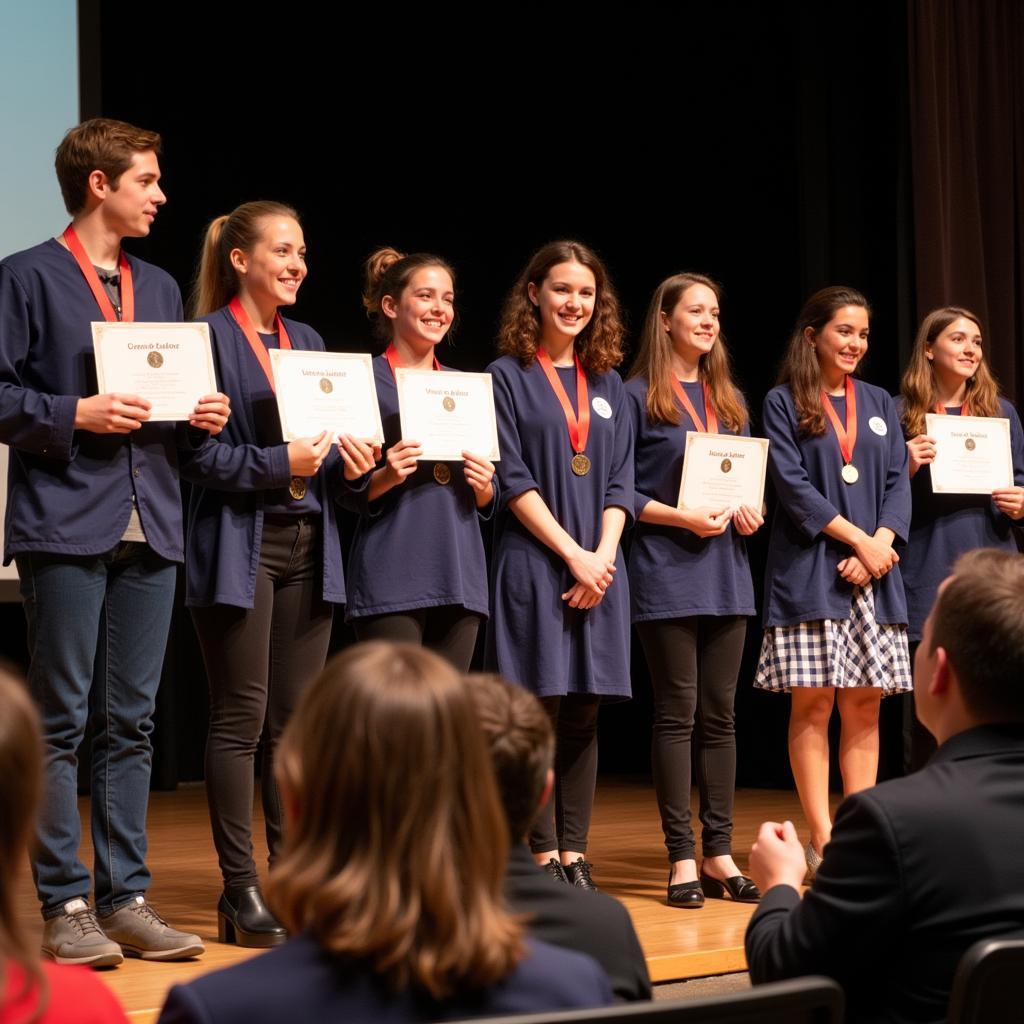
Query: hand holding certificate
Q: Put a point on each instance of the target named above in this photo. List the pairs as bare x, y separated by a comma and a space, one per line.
972, 454
723, 471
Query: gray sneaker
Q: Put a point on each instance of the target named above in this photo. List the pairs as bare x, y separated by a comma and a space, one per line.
142, 932
74, 937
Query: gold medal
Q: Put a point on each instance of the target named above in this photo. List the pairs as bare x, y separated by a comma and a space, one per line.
442, 474
850, 473
580, 464
297, 488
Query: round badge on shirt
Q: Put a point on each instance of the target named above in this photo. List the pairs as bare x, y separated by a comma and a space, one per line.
602, 408
877, 424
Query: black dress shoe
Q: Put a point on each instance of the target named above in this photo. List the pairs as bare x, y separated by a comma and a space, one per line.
556, 871
740, 888
687, 895
578, 873
243, 918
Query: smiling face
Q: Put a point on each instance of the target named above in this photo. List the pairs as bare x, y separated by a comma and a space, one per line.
273, 271
956, 352
693, 324
840, 344
425, 309
130, 204
565, 301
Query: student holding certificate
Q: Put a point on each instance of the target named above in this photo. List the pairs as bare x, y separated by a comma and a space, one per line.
948, 374
834, 612
417, 571
263, 557
689, 581
560, 598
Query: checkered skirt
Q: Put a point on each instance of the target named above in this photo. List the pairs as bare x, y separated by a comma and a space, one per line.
856, 651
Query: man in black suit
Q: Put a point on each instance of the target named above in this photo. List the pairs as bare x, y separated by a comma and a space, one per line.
918, 868
522, 751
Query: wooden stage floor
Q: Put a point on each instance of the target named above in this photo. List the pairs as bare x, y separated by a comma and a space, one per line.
626, 850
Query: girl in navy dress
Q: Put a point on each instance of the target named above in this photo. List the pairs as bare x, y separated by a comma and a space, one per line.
559, 595
690, 581
263, 554
417, 571
947, 373
835, 614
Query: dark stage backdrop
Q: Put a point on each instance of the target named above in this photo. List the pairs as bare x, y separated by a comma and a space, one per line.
764, 144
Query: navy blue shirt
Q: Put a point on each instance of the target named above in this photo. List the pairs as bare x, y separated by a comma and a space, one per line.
673, 573
419, 544
801, 581
944, 526
70, 491
534, 637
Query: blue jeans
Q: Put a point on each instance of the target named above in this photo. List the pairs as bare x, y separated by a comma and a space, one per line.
97, 629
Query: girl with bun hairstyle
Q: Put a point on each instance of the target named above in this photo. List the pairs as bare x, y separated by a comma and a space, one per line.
835, 615
689, 581
263, 553
559, 594
417, 571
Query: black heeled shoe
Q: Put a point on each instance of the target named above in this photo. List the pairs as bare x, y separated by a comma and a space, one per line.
740, 888
243, 918
687, 895
577, 873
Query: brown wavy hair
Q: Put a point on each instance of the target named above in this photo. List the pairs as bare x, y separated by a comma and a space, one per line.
388, 272
396, 854
654, 359
21, 759
800, 369
918, 387
216, 282
598, 345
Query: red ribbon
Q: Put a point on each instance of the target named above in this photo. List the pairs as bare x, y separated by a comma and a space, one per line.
391, 355
847, 435
76, 249
259, 350
579, 429
709, 409
965, 409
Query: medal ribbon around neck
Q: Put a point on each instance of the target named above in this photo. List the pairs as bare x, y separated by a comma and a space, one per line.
579, 429
965, 408
847, 435
684, 400
391, 355
259, 350
77, 250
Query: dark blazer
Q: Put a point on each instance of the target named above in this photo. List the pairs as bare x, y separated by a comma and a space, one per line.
918, 868
590, 923
300, 982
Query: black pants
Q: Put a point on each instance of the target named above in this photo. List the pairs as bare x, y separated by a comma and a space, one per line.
259, 661
563, 823
449, 630
694, 663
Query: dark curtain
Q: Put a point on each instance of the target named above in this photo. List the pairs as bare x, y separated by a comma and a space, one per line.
966, 63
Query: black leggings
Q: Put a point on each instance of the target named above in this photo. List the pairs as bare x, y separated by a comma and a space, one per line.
563, 823
449, 630
259, 661
694, 663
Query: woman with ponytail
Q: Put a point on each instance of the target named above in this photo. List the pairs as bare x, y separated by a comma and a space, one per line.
417, 571
263, 553
692, 632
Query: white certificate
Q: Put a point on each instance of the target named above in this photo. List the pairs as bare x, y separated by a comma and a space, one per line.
332, 391
448, 413
972, 453
723, 471
170, 365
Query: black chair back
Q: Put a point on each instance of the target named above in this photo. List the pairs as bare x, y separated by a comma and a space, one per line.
988, 987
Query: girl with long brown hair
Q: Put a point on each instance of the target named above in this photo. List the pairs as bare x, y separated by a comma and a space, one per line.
559, 595
692, 635
263, 554
391, 880
834, 611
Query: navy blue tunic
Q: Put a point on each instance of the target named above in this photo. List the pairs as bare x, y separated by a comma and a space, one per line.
944, 526
673, 573
70, 491
419, 544
535, 638
801, 582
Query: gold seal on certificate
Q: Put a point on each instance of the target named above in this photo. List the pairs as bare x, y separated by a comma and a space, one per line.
447, 413
850, 473
297, 488
332, 391
723, 471
170, 365
972, 453
442, 474
580, 464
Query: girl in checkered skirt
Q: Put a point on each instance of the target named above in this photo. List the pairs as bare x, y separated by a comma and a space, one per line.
835, 612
